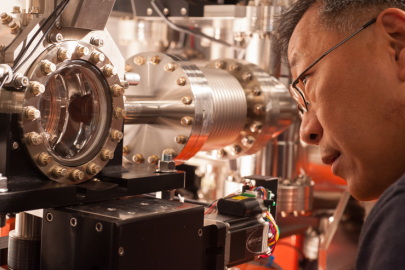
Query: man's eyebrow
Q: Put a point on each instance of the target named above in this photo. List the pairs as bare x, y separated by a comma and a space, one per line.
294, 60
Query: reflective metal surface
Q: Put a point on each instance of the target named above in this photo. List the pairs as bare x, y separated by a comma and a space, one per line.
295, 197
28, 226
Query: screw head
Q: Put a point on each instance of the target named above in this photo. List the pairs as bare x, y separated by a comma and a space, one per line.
117, 90
186, 121
34, 139
97, 57
36, 88
180, 139
44, 159
221, 153
247, 77
186, 100
153, 159
139, 60
119, 113
234, 67
181, 81
256, 91
59, 172
64, 54
154, 60
183, 11
248, 140
220, 64
47, 67
116, 135
138, 158
106, 155
31, 113
125, 150
236, 149
166, 11
149, 11
76, 175
256, 126
169, 67
109, 71
97, 41
259, 109
82, 51
55, 37
15, 145
21, 81
93, 169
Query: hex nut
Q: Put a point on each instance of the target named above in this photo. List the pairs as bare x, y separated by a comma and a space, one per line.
76, 175
180, 139
14, 28
154, 60
81, 51
93, 169
59, 172
97, 41
117, 90
34, 139
138, 158
116, 135
5, 18
256, 126
36, 88
186, 121
169, 67
119, 113
259, 109
186, 100
139, 60
44, 159
106, 155
181, 81
109, 71
125, 150
31, 113
97, 57
64, 54
153, 159
47, 67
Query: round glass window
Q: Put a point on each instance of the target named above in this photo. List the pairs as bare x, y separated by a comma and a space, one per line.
75, 113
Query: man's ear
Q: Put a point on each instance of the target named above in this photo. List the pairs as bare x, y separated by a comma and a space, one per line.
393, 22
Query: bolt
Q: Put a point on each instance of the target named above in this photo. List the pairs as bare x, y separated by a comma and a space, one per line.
119, 113
139, 60
166, 11
76, 175
93, 169
221, 153
121, 251
59, 172
248, 140
180, 139
81, 51
97, 57
2, 47
106, 155
14, 27
183, 11
186, 100
256, 126
220, 64
283, 214
124, 84
117, 90
247, 77
128, 67
36, 88
44, 159
149, 11
16, 9
153, 159
169, 67
186, 121
181, 81
31, 113
125, 150
47, 67
20, 81
138, 158
259, 109
236, 149
234, 67
256, 91
55, 37
5, 18
295, 213
64, 54
34, 139
116, 135
109, 71
97, 41
15, 145
154, 60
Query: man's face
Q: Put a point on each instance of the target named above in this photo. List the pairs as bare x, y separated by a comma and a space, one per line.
357, 99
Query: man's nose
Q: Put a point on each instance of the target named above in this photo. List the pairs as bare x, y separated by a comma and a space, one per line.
311, 130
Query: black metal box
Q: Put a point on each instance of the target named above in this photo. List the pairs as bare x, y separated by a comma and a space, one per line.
125, 234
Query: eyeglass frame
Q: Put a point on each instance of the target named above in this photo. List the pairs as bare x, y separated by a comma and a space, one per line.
293, 86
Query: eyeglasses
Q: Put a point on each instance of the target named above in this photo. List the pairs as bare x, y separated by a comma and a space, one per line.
297, 88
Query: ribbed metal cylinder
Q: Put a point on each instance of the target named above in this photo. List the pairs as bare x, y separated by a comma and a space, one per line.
23, 254
230, 108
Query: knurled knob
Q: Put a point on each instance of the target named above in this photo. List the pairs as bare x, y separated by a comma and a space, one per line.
34, 139
76, 175
106, 155
93, 169
47, 67
109, 71
117, 90
82, 51
44, 159
59, 172
119, 113
31, 113
97, 57
36, 88
116, 135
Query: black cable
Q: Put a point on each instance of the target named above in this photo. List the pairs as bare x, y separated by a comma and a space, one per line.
66, 2
191, 32
178, 199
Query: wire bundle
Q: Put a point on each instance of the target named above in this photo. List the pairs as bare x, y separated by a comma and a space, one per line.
275, 232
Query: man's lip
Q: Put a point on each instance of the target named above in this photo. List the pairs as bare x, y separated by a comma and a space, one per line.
330, 159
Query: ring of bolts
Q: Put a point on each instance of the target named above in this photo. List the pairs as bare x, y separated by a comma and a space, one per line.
35, 89
186, 100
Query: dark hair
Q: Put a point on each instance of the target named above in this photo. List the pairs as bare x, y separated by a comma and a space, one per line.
340, 15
